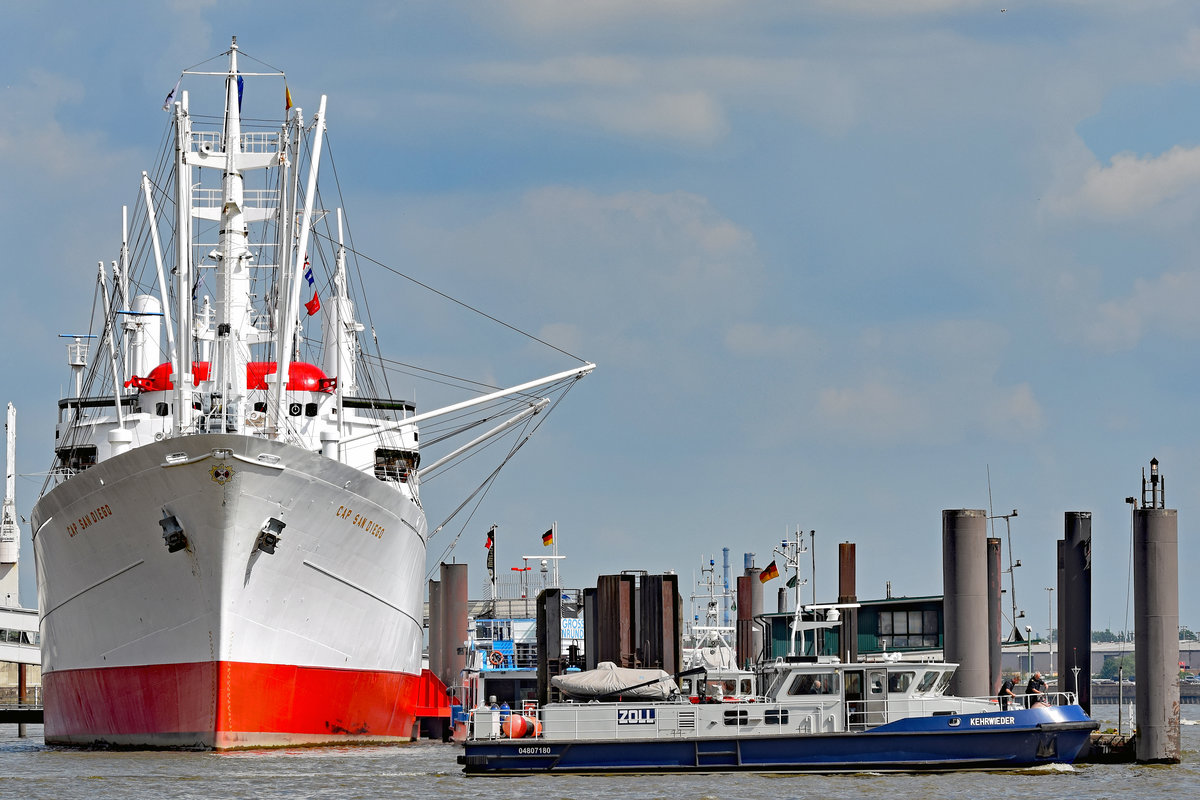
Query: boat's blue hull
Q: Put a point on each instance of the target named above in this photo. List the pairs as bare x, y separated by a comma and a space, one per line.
1009, 740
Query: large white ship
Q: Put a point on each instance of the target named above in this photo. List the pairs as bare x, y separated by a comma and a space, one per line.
227, 558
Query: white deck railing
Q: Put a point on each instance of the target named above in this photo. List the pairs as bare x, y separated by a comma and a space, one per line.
604, 721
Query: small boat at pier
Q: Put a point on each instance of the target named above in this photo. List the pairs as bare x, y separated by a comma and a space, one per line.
812, 713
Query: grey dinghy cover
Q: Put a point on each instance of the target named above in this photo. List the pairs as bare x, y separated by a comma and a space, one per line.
609, 680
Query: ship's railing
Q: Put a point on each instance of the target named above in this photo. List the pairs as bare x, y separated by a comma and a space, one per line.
251, 198
664, 720
259, 141
251, 142
648, 721
863, 714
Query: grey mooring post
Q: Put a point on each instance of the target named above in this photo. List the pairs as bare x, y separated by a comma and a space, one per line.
965, 599
1156, 623
1075, 606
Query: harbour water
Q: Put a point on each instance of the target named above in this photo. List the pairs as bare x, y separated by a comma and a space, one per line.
31, 771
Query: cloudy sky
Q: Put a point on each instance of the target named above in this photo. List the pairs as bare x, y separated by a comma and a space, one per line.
836, 260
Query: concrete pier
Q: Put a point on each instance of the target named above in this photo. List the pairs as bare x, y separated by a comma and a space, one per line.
995, 619
1075, 606
1156, 623
965, 610
435, 628
848, 593
454, 622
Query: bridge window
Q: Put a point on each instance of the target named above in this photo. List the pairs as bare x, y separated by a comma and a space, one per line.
898, 682
815, 683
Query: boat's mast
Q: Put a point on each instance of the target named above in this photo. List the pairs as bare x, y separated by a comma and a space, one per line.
123, 286
10, 537
183, 261
110, 332
339, 282
340, 331
292, 278
233, 263
152, 222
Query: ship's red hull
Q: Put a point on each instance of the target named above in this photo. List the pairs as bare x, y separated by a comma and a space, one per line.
225, 705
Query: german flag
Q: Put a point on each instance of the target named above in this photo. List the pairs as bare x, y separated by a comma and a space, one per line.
770, 572
548, 537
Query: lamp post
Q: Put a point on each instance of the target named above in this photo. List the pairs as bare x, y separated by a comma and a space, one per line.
1012, 565
1049, 630
1028, 651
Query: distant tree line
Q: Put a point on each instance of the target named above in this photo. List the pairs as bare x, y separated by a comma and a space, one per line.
1106, 635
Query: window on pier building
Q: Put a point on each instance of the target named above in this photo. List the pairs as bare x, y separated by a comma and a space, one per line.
916, 628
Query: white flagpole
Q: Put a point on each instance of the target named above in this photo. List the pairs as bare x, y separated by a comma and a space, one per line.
554, 538
492, 558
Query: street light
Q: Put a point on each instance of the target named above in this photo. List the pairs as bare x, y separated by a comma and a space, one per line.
1049, 630
1029, 649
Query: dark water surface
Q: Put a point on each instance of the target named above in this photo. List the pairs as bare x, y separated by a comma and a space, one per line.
29, 769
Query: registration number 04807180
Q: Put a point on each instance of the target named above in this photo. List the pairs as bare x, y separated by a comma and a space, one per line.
533, 751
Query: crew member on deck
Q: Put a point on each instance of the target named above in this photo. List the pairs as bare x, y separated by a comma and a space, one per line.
1036, 690
1006, 692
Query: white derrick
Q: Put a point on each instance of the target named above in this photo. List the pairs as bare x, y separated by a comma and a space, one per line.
10, 535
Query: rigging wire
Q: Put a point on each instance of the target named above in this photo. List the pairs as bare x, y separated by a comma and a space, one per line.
489, 481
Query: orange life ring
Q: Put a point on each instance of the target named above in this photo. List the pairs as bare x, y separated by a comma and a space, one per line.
496, 658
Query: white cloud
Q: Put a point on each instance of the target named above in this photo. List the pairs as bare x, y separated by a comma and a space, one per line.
636, 274
758, 340
587, 70
692, 117
1131, 185
1165, 304
936, 382
31, 135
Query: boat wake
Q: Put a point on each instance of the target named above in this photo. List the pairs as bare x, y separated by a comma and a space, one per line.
1048, 768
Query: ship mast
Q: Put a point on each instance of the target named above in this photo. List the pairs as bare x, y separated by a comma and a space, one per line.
183, 260
233, 262
10, 537
293, 279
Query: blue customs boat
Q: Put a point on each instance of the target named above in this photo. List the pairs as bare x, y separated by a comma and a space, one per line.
814, 713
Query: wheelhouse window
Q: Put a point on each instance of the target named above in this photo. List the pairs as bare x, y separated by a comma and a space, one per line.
898, 682
928, 681
814, 683
395, 465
